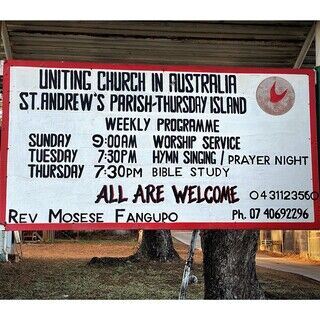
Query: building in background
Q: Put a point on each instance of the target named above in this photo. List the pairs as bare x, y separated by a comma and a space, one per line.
305, 243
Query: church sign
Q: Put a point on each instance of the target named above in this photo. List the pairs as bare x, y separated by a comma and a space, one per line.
110, 146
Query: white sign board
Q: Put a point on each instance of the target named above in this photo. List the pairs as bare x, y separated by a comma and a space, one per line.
89, 146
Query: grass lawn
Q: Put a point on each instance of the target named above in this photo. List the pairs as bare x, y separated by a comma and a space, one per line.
60, 271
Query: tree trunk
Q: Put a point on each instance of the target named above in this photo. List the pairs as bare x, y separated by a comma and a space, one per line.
229, 264
157, 245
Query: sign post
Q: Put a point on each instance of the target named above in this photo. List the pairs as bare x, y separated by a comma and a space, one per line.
187, 277
97, 146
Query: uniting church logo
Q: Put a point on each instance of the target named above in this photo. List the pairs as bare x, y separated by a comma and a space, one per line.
275, 96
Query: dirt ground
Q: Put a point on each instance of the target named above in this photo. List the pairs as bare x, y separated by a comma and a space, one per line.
61, 271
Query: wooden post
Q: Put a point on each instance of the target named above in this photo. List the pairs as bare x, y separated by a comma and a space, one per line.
317, 41
6, 41
305, 48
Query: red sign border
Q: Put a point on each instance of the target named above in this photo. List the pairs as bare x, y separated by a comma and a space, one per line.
153, 226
